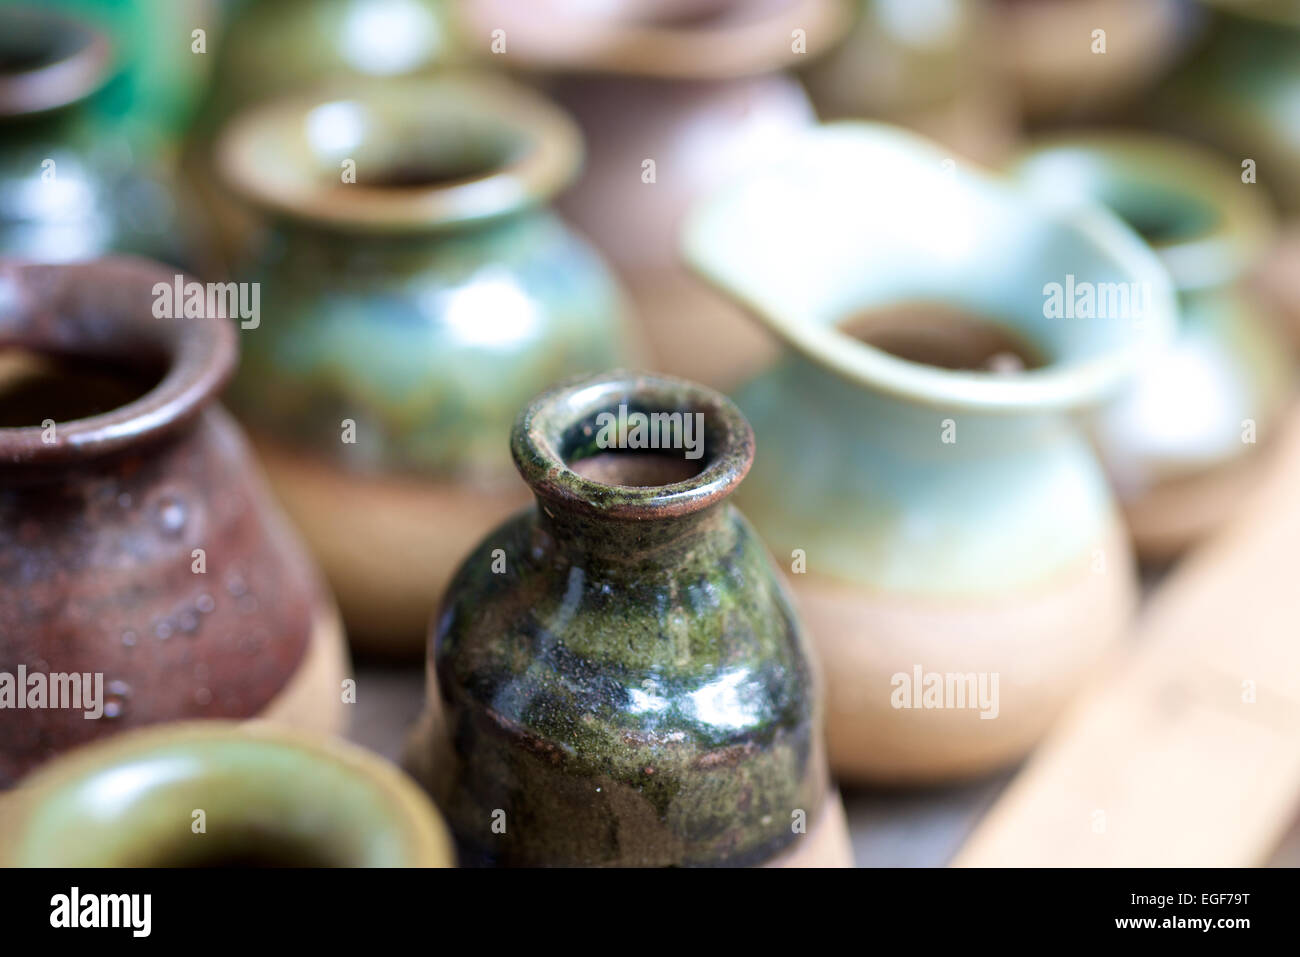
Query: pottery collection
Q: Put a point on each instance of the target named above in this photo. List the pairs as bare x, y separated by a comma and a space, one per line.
422, 303
617, 673
901, 283
948, 519
1183, 444
137, 540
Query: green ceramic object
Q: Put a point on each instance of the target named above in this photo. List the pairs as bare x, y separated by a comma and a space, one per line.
219, 794
616, 675
1242, 90
74, 183
424, 303
948, 520
1199, 413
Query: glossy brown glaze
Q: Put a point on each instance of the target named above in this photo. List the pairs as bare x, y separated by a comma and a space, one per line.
101, 520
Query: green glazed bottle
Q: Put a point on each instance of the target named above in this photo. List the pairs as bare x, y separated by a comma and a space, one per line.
616, 676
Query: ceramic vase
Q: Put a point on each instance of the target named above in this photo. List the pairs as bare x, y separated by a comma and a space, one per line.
1183, 445
928, 67
616, 676
407, 315
672, 103
76, 181
1073, 58
944, 525
221, 794
139, 549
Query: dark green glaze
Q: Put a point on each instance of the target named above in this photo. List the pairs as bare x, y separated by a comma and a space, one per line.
634, 688
74, 182
417, 311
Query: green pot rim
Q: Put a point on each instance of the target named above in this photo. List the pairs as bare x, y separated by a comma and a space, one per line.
264, 157
1214, 255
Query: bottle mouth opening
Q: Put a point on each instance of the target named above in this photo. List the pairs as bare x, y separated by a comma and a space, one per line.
48, 61
408, 156
632, 445
93, 326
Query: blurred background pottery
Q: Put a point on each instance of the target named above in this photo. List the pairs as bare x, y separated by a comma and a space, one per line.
408, 314
923, 64
75, 181
672, 102
1183, 444
617, 673
1050, 51
940, 516
268, 797
136, 538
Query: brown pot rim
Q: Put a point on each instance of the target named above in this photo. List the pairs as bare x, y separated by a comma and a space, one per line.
265, 157
74, 75
106, 307
752, 38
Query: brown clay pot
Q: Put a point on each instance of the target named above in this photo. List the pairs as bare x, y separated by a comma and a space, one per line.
138, 545
697, 89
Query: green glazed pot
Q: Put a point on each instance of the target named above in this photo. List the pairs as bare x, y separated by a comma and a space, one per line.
1181, 444
938, 521
1240, 91
74, 182
616, 676
422, 303
218, 794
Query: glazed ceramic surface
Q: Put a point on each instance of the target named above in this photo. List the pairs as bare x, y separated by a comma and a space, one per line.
268, 796
1240, 90
75, 182
671, 107
1182, 442
138, 543
925, 66
423, 303
616, 676
950, 520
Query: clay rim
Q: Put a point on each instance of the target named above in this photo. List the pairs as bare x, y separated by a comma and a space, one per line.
423, 836
200, 354
82, 69
1210, 257
265, 157
1063, 384
537, 446
747, 42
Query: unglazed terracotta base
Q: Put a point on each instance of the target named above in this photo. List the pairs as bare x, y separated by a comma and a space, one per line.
1173, 515
1040, 644
313, 698
826, 844
387, 545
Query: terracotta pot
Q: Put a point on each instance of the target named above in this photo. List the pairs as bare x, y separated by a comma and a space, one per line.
75, 180
137, 542
700, 97
616, 676
943, 522
925, 66
1047, 49
220, 794
422, 303
1182, 444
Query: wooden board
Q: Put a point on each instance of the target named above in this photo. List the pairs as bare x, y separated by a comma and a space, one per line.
1186, 751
